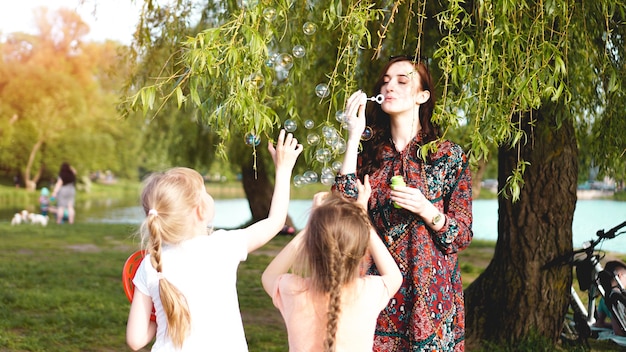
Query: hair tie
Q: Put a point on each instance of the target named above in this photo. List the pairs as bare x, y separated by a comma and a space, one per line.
160, 276
153, 212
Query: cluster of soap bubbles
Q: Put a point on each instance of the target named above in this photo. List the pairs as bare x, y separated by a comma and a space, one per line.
327, 175
283, 62
329, 143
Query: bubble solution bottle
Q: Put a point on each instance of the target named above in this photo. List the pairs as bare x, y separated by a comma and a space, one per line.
397, 181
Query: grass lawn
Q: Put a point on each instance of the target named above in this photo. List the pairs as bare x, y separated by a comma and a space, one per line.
61, 290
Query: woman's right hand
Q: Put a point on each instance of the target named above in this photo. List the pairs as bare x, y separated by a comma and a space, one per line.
318, 199
355, 114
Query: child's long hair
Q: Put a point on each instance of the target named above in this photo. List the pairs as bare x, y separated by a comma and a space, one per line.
169, 199
336, 241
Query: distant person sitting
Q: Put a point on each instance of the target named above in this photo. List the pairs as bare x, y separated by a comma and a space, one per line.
65, 193
604, 317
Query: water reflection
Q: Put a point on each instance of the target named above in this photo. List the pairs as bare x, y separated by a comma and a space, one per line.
589, 216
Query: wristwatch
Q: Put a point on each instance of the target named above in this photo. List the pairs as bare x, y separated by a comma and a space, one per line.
436, 219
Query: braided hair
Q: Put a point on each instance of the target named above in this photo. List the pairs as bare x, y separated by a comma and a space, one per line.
336, 241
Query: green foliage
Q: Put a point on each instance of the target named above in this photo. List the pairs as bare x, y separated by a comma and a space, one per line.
496, 60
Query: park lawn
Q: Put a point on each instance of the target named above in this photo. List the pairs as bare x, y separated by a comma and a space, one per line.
61, 290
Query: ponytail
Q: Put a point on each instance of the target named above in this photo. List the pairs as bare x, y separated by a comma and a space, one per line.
173, 301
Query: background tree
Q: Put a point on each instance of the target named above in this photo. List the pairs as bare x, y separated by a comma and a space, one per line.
57, 102
525, 77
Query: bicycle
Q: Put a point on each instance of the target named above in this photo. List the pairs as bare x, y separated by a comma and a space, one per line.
595, 281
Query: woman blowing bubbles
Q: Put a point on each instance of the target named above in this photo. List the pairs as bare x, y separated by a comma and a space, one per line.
423, 224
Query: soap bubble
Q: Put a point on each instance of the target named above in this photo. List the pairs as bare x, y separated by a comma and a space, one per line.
309, 28
251, 139
281, 73
308, 124
269, 14
310, 176
329, 132
327, 179
298, 51
313, 139
323, 155
284, 61
327, 170
257, 80
297, 181
337, 165
321, 90
340, 146
271, 60
290, 125
340, 116
367, 134
332, 139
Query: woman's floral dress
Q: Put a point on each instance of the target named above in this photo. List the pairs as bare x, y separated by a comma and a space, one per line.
427, 313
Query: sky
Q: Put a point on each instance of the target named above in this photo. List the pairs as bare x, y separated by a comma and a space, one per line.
113, 19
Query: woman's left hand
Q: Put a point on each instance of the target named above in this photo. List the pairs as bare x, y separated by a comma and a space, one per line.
412, 199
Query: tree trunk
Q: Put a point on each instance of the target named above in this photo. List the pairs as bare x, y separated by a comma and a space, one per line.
515, 296
31, 183
258, 187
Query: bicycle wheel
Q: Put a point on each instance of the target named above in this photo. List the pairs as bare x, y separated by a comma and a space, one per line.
617, 300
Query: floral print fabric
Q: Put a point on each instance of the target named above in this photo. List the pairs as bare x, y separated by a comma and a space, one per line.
427, 313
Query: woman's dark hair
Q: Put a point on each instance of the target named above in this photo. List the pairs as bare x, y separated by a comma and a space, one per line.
66, 174
379, 121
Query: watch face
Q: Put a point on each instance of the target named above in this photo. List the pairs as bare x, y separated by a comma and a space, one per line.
436, 219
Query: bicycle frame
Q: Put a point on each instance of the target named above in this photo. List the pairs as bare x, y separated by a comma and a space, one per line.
593, 291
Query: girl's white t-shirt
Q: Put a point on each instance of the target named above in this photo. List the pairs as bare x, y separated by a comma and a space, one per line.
204, 269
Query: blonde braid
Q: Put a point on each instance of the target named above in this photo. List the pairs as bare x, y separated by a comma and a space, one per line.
334, 299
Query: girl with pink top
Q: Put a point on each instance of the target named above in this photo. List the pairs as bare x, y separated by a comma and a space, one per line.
327, 304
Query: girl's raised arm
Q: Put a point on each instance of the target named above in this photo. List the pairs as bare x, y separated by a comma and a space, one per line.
386, 265
284, 155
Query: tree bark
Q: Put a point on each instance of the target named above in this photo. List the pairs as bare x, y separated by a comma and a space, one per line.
516, 297
258, 187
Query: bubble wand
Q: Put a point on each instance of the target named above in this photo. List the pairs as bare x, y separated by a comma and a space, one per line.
379, 98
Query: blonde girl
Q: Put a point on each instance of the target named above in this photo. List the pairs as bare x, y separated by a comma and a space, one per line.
328, 305
189, 274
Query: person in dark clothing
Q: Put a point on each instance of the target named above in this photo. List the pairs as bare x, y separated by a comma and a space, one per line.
65, 193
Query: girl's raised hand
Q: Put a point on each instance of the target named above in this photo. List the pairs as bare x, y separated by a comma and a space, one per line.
286, 151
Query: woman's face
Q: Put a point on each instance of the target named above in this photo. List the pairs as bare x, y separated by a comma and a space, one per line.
400, 88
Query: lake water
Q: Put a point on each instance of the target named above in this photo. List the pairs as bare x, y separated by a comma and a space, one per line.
589, 217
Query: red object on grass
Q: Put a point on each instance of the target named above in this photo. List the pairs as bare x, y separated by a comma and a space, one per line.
128, 273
